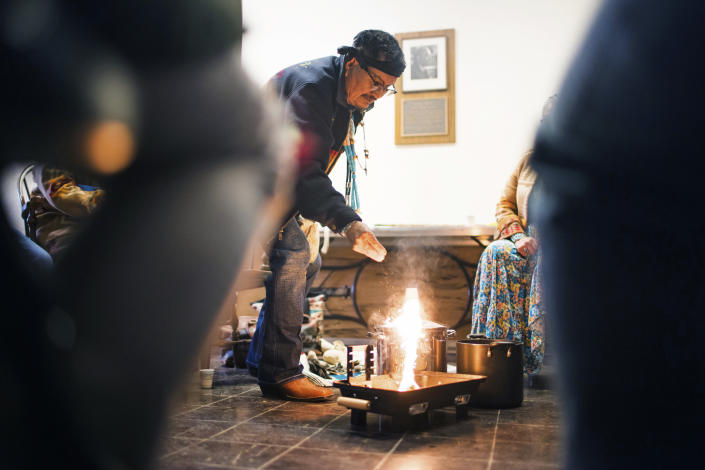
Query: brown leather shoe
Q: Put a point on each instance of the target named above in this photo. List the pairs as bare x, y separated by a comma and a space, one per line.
297, 390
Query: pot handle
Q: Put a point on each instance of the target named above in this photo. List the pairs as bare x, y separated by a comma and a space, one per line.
489, 350
355, 403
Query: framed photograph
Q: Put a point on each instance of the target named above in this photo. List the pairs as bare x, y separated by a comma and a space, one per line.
425, 105
426, 64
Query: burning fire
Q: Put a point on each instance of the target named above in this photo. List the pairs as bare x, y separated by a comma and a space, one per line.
408, 326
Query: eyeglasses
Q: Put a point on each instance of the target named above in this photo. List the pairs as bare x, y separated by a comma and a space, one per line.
378, 85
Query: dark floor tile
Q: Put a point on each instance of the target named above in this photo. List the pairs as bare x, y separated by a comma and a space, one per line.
335, 440
523, 466
248, 403
197, 396
169, 445
528, 433
201, 397
527, 452
425, 462
296, 418
325, 459
540, 395
234, 454
175, 426
178, 408
476, 420
198, 429
539, 412
545, 405
218, 413
442, 423
235, 390
373, 425
173, 465
326, 407
483, 415
463, 429
266, 433
537, 419
470, 448
253, 392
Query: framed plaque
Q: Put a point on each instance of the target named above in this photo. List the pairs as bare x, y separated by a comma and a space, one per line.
424, 116
425, 104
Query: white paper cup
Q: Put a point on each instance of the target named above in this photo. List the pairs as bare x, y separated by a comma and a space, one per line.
207, 378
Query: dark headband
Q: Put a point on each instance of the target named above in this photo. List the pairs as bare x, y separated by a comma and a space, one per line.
395, 68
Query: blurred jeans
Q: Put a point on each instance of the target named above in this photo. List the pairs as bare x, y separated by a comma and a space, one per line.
276, 346
35, 258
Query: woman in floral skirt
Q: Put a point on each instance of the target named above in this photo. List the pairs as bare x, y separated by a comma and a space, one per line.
507, 296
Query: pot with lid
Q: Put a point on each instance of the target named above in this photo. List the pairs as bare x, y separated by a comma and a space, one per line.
501, 361
431, 351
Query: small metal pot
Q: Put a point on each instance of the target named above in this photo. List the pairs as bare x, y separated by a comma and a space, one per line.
501, 361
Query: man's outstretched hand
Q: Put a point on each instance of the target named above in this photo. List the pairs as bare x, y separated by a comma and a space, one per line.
364, 241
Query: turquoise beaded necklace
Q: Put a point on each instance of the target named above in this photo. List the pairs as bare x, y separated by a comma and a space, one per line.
352, 196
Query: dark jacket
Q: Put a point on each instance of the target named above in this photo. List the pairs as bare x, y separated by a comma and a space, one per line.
316, 101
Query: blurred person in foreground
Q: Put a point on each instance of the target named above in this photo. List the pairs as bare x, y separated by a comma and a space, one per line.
507, 293
149, 98
620, 161
326, 98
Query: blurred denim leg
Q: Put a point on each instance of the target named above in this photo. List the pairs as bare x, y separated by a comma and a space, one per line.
621, 166
37, 259
276, 347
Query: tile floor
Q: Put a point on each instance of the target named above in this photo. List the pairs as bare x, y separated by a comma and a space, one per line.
233, 426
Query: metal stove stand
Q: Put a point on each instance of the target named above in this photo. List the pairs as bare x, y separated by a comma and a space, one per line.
378, 394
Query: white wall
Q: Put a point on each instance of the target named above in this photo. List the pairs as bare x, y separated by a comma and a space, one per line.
510, 55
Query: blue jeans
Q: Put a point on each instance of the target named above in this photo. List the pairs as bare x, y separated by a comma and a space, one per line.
276, 346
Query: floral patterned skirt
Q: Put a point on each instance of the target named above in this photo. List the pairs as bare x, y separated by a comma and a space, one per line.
507, 300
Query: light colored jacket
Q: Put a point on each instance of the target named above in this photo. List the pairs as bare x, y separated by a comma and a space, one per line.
512, 206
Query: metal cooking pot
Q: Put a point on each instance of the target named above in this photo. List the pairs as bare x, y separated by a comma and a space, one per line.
501, 361
431, 349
